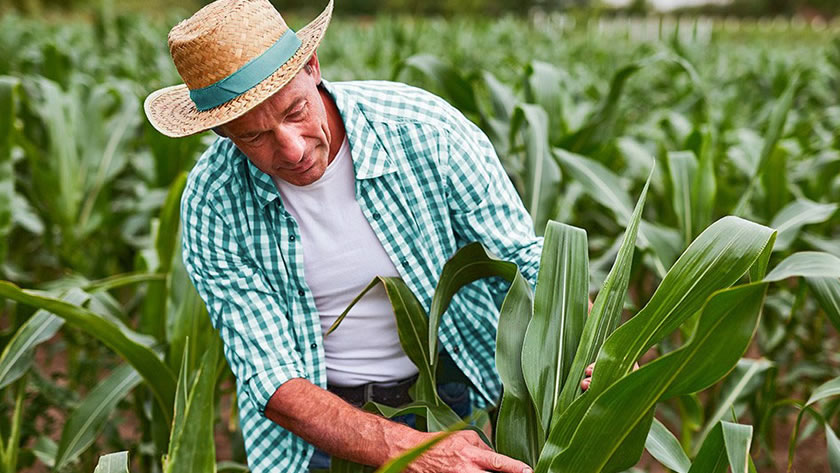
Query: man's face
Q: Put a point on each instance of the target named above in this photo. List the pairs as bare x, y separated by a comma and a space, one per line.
288, 135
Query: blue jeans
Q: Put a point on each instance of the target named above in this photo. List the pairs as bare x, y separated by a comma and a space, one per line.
455, 395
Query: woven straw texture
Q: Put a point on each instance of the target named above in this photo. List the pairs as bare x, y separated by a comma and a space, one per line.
211, 45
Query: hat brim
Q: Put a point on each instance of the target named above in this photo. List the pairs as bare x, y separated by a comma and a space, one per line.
172, 112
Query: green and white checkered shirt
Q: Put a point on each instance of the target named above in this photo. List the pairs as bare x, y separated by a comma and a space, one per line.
428, 181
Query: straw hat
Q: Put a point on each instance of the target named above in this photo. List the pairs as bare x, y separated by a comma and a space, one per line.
232, 55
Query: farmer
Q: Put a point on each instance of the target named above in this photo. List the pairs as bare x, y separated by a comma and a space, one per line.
311, 190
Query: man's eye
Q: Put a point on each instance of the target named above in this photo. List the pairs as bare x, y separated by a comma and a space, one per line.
253, 139
299, 113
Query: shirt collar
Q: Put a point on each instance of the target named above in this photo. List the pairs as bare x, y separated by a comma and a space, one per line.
370, 159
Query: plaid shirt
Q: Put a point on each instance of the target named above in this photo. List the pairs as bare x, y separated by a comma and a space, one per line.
428, 181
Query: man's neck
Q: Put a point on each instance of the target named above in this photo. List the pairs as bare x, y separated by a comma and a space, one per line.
334, 121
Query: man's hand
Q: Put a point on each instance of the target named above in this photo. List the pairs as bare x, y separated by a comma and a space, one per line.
464, 452
587, 379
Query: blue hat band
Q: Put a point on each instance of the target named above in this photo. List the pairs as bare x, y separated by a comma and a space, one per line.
249, 75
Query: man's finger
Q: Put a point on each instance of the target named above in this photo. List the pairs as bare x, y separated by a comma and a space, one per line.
589, 369
584, 385
497, 462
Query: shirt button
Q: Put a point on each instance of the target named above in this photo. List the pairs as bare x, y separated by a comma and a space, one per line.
456, 350
300, 292
376, 215
313, 346
405, 262
291, 238
288, 316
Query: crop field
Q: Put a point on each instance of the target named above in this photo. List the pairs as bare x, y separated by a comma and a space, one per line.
687, 172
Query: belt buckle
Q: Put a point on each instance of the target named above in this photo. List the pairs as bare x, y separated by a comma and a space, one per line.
367, 395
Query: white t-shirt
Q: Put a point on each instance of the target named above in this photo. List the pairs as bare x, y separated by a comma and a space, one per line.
341, 255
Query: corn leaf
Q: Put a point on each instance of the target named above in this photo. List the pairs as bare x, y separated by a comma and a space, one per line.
542, 176
796, 215
726, 327
112, 463
682, 166
715, 260
192, 447
737, 439
156, 374
517, 428
18, 354
808, 264
88, 420
9, 91
468, 264
666, 449
745, 376
605, 314
778, 117
833, 447
827, 293
560, 309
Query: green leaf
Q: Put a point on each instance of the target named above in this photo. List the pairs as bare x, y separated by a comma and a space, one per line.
809, 264
192, 447
470, 263
662, 445
231, 467
796, 215
599, 182
737, 383
112, 463
88, 420
413, 331
725, 328
682, 166
517, 428
155, 303
824, 391
712, 457
715, 260
771, 138
833, 447
542, 176
560, 309
447, 78
9, 92
156, 374
599, 127
704, 187
737, 439
605, 314
18, 354
827, 293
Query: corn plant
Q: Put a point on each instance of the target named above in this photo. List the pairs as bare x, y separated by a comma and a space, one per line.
545, 341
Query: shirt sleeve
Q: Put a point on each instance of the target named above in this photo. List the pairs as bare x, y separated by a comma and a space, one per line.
484, 205
257, 337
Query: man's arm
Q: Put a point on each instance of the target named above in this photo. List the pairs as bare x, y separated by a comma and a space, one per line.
484, 205
326, 421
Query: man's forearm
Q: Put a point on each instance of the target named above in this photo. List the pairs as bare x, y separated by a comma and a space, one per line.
331, 424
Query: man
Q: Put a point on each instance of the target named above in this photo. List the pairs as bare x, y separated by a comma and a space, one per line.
312, 190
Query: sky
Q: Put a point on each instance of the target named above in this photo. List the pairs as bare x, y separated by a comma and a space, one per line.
668, 4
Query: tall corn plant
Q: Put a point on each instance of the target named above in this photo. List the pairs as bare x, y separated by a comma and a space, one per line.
177, 414
545, 341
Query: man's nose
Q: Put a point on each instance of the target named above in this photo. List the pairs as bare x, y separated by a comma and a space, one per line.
290, 146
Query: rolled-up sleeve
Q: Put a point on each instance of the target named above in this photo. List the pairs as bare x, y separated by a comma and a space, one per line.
257, 337
484, 205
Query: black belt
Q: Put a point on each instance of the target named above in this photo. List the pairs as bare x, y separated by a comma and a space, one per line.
390, 394
396, 395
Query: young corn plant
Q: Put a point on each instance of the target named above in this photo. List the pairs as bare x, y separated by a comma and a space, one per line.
546, 339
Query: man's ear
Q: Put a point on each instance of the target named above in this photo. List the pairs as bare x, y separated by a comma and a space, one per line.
314, 68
